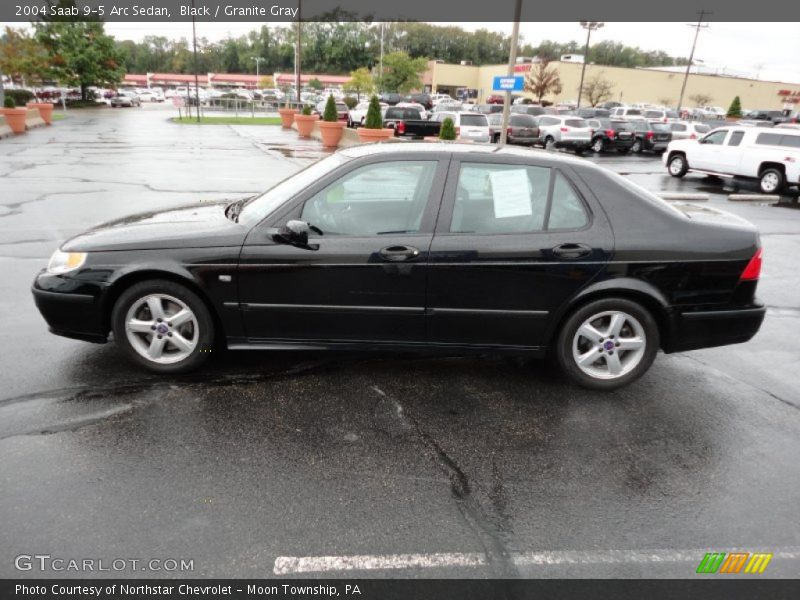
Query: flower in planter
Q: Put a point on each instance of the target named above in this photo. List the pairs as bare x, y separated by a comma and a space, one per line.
374, 119
448, 130
330, 114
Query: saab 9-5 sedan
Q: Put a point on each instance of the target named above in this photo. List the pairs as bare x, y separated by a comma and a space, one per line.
433, 247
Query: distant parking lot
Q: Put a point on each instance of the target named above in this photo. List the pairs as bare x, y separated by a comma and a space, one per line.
264, 459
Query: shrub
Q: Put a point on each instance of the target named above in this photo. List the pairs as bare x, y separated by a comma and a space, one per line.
20, 97
350, 101
306, 110
330, 114
374, 119
9, 102
735, 110
448, 130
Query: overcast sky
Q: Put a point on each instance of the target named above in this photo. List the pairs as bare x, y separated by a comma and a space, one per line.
771, 50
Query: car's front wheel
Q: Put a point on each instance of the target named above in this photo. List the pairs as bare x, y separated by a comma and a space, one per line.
677, 165
607, 343
163, 326
598, 145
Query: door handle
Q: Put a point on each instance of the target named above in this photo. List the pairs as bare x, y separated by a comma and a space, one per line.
571, 251
399, 253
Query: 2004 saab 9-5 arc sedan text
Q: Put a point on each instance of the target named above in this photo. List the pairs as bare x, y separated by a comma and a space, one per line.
447, 247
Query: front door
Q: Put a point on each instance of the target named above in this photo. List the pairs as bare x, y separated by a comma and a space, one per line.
364, 280
513, 243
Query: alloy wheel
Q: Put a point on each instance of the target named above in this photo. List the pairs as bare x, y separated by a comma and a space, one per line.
676, 165
609, 345
770, 182
162, 328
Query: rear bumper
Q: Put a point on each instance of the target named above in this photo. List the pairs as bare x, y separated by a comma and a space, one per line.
706, 329
574, 144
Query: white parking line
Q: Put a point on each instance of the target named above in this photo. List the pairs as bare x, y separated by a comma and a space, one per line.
292, 565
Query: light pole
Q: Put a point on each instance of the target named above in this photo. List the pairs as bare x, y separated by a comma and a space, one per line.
258, 60
512, 59
196, 76
589, 26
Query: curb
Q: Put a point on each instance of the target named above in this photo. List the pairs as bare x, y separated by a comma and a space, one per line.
764, 198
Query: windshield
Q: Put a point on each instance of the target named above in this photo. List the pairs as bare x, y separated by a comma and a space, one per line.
262, 205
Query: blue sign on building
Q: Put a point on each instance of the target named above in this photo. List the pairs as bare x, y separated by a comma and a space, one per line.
508, 84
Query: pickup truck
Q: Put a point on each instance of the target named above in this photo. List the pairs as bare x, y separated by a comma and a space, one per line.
770, 156
406, 122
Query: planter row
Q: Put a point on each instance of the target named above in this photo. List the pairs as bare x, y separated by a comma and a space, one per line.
330, 131
33, 115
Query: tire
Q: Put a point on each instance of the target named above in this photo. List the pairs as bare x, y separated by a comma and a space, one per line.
133, 315
771, 181
677, 165
549, 143
598, 145
635, 327
637, 147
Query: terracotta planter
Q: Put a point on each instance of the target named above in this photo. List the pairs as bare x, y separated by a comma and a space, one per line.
45, 111
287, 116
374, 135
331, 133
15, 117
305, 124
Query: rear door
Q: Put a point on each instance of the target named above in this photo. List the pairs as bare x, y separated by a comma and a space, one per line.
515, 239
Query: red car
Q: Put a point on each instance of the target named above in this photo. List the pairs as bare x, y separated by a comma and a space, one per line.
495, 99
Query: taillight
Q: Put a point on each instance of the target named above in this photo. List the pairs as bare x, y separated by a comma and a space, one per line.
610, 133
753, 269
693, 136
508, 132
401, 128
564, 129
649, 135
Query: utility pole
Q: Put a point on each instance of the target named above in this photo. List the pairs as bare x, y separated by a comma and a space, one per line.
512, 60
697, 27
380, 64
196, 77
589, 26
297, 53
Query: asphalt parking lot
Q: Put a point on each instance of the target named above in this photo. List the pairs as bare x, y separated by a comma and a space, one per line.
272, 464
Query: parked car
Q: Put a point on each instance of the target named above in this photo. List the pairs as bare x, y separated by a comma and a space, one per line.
772, 157
649, 136
488, 109
775, 116
570, 132
608, 134
342, 112
356, 116
522, 129
610, 105
407, 122
713, 112
593, 113
532, 109
390, 98
664, 116
469, 125
756, 123
125, 99
688, 130
626, 112
423, 114
495, 99
149, 96
443, 99
603, 273
442, 107
787, 126
420, 98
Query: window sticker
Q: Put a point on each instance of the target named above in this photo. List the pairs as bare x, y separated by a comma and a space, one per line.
511, 193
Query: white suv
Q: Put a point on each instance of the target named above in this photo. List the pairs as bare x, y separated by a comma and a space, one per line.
470, 125
770, 156
564, 131
627, 112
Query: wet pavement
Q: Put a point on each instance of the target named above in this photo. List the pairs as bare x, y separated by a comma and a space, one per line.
467, 467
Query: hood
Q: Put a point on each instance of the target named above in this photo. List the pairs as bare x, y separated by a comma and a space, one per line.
200, 225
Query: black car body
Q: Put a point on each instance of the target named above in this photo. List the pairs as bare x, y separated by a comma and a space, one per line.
420, 98
391, 98
650, 136
407, 122
522, 129
455, 248
610, 134
773, 116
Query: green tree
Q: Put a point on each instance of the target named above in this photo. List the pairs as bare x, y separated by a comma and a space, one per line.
735, 110
374, 119
21, 56
361, 82
542, 80
330, 114
402, 73
80, 53
315, 84
448, 130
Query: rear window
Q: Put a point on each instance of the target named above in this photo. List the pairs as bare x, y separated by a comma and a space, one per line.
474, 120
633, 111
652, 114
662, 127
777, 139
521, 120
671, 114
679, 127
575, 123
621, 126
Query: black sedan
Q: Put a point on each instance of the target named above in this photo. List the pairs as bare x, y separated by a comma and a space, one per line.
608, 134
455, 248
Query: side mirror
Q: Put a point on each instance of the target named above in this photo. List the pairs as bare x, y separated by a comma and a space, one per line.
295, 233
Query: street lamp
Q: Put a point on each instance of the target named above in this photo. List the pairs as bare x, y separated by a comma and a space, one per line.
258, 60
589, 26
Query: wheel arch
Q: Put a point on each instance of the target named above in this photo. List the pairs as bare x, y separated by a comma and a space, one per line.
772, 165
176, 275
630, 289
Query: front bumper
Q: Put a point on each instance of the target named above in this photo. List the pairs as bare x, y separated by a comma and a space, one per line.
706, 329
70, 307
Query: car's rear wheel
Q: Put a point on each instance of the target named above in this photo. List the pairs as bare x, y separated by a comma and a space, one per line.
771, 181
598, 145
163, 326
677, 165
550, 143
637, 147
607, 343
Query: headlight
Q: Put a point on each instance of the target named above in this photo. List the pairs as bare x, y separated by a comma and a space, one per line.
64, 262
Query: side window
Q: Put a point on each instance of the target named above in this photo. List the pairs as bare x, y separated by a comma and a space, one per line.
736, 138
716, 138
380, 198
500, 199
566, 210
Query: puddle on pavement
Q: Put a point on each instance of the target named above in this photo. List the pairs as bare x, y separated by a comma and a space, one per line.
309, 152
